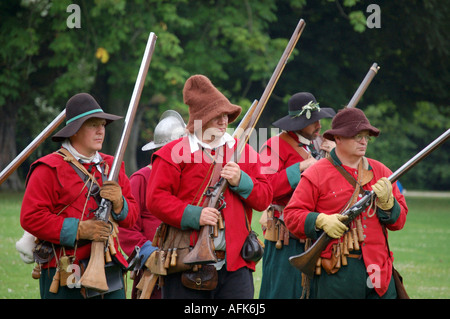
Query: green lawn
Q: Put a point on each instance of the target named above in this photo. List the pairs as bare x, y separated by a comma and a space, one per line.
421, 253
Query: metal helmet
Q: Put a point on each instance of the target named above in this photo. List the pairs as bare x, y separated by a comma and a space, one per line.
170, 127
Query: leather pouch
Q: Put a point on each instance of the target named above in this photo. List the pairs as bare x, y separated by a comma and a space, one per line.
205, 278
253, 249
329, 264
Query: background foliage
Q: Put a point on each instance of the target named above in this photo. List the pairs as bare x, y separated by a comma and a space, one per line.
236, 43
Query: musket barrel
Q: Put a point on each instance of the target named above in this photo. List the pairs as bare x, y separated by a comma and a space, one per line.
132, 108
363, 86
419, 156
94, 275
8, 170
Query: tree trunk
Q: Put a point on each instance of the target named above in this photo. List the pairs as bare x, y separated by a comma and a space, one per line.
8, 144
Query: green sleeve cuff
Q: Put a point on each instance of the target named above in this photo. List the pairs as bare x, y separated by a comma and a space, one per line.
68, 233
191, 217
310, 226
293, 175
123, 213
389, 217
245, 186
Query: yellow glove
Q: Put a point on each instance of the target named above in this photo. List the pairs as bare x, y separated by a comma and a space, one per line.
385, 197
332, 224
113, 192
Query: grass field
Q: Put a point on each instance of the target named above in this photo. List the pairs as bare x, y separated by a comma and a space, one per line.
421, 252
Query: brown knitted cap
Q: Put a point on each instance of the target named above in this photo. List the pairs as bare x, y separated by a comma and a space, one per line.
206, 102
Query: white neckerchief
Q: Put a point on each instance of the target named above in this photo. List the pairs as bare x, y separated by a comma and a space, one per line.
195, 143
96, 158
303, 139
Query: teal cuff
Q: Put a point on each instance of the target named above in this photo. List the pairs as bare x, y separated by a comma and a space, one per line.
310, 226
68, 233
123, 213
293, 175
245, 186
389, 217
191, 217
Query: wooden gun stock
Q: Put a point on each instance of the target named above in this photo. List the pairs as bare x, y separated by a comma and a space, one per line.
147, 284
94, 276
203, 251
306, 261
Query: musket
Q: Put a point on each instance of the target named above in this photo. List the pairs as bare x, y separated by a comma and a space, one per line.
94, 276
203, 251
363, 86
306, 261
8, 170
373, 70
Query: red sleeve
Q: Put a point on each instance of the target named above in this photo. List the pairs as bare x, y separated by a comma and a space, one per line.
400, 222
380, 170
274, 168
133, 208
301, 204
165, 181
134, 236
261, 194
38, 214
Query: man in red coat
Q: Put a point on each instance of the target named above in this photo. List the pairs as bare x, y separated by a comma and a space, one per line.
170, 127
284, 157
63, 191
357, 263
181, 171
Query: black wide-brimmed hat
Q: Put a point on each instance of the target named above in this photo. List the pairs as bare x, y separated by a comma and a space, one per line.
80, 108
303, 111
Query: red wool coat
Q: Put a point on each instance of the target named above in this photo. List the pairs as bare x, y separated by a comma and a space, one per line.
322, 189
52, 185
277, 156
145, 227
173, 192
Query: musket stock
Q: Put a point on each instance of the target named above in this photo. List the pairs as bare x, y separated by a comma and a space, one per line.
306, 261
94, 276
203, 251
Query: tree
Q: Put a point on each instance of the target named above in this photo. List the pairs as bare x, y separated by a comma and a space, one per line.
237, 44
103, 56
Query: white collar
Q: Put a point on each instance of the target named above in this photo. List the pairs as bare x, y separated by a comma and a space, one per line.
195, 143
96, 158
303, 139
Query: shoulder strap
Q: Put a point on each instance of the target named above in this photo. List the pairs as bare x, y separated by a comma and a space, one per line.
80, 169
344, 173
300, 150
82, 172
355, 183
216, 167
